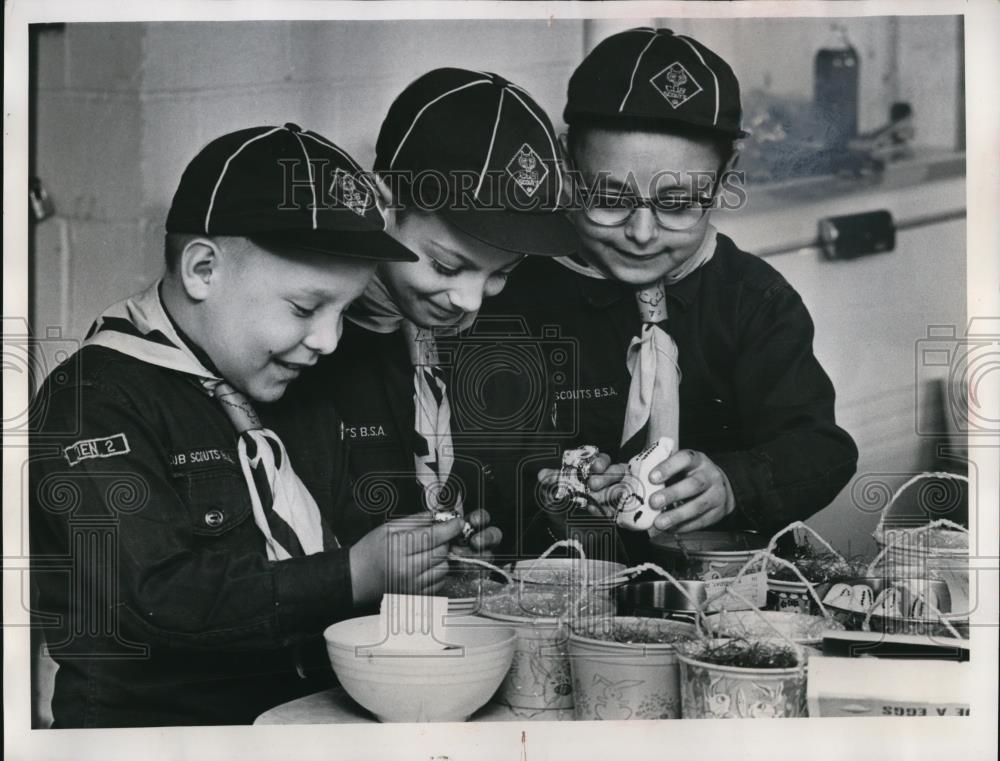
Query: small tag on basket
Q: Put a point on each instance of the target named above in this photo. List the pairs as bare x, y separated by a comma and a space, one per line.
752, 591
413, 622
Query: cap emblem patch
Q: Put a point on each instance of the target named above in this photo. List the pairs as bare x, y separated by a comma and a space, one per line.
349, 192
527, 169
676, 84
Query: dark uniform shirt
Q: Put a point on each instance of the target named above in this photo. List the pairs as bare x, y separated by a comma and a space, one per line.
370, 380
154, 589
753, 397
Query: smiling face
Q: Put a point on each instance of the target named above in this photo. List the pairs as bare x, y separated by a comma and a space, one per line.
455, 272
653, 165
263, 316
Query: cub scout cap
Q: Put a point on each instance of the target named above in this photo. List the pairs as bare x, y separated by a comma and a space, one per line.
479, 150
654, 76
283, 186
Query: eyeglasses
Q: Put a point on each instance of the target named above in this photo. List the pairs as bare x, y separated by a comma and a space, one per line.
674, 211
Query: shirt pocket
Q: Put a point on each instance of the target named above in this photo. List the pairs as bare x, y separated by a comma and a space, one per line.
217, 500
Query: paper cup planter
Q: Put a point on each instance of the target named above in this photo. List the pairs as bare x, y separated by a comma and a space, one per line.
714, 690
627, 668
539, 676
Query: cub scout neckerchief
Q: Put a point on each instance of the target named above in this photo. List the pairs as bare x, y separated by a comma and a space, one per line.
283, 508
654, 391
434, 453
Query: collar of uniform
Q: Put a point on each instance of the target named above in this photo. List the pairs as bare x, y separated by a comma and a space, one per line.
683, 292
198, 352
602, 293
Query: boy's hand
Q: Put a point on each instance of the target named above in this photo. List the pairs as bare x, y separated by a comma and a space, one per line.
604, 477
406, 556
602, 481
702, 489
482, 542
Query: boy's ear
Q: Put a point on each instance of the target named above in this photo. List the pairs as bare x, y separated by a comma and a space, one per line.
385, 199
732, 163
724, 180
197, 267
569, 170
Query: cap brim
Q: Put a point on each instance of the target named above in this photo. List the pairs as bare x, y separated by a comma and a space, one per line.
537, 234
372, 244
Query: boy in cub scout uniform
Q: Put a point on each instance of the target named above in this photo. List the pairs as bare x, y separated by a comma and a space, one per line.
681, 334
474, 165
189, 528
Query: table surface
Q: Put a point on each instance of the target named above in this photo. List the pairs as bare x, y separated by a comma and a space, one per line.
334, 706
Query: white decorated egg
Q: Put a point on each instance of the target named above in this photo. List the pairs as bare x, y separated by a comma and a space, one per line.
634, 512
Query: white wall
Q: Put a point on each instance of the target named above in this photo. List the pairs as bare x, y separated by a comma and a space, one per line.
871, 315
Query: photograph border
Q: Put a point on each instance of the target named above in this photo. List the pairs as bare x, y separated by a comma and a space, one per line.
973, 737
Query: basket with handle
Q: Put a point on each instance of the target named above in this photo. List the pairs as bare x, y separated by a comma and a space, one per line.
710, 690
798, 595
539, 677
938, 549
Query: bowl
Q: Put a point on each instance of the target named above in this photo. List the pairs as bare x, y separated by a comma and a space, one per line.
662, 598
418, 686
658, 597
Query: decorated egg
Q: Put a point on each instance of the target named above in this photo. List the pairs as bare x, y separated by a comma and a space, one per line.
888, 604
573, 474
839, 596
634, 512
862, 598
443, 516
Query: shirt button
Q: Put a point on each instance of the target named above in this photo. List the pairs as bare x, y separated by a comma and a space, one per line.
488, 473
718, 401
214, 518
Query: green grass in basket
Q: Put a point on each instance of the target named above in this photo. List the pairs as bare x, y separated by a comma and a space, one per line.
468, 584
642, 632
553, 602
745, 653
818, 567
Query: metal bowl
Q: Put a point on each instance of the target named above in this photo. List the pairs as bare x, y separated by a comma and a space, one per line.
656, 598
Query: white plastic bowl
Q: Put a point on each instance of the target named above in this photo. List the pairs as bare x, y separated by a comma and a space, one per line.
443, 685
